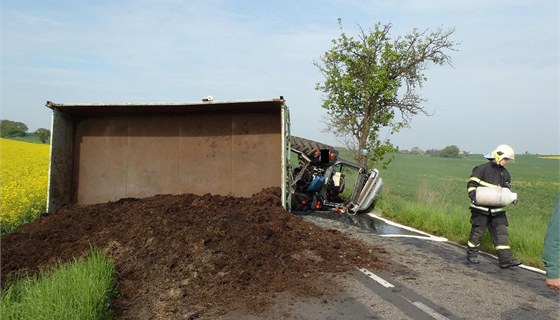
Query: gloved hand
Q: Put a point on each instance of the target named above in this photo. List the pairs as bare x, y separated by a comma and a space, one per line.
514, 202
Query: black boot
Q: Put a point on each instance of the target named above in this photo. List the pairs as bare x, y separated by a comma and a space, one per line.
509, 264
473, 258
472, 255
506, 259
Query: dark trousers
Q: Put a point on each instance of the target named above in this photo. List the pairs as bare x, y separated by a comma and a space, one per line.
497, 226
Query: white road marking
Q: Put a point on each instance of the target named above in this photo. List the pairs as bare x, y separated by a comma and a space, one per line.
377, 278
431, 312
426, 235
431, 238
434, 314
532, 269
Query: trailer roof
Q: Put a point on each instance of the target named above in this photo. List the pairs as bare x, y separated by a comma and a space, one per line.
97, 109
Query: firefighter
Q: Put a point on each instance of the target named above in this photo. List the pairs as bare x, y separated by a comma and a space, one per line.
491, 174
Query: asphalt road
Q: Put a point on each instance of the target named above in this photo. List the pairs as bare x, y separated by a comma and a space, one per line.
429, 278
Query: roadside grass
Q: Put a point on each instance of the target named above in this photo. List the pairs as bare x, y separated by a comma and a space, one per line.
81, 289
429, 193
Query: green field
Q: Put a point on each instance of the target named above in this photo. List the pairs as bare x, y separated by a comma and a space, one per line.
33, 138
429, 193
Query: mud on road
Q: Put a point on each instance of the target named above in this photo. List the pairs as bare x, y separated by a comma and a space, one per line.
188, 256
217, 257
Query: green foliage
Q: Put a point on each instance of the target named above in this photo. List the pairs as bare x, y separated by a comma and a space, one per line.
78, 290
370, 84
30, 137
43, 134
10, 129
450, 152
429, 193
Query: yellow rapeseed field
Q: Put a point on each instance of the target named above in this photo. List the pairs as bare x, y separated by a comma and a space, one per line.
23, 180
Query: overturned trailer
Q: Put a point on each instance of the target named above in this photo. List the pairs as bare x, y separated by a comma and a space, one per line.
105, 152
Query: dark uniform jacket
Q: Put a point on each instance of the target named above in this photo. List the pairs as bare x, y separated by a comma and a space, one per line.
489, 174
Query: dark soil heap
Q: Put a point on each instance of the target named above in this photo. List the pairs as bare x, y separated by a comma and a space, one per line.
191, 256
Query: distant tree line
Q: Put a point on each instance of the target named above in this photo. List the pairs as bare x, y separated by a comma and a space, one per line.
14, 129
448, 152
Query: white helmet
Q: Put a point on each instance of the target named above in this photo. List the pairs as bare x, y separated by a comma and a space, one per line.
503, 151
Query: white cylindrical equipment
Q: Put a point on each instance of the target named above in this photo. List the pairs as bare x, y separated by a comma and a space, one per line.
496, 197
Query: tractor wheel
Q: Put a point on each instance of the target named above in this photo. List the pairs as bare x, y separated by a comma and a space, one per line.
309, 147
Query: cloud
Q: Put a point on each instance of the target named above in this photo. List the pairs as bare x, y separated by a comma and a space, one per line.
173, 50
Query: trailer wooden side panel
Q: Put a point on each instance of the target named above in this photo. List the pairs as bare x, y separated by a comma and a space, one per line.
138, 153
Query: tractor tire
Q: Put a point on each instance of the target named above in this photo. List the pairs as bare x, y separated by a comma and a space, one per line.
309, 147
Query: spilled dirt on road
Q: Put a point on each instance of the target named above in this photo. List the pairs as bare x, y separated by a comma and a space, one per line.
190, 256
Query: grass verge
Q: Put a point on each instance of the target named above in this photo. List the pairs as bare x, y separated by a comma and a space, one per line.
81, 289
430, 194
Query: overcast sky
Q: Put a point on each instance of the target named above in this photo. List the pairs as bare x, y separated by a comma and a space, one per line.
502, 88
